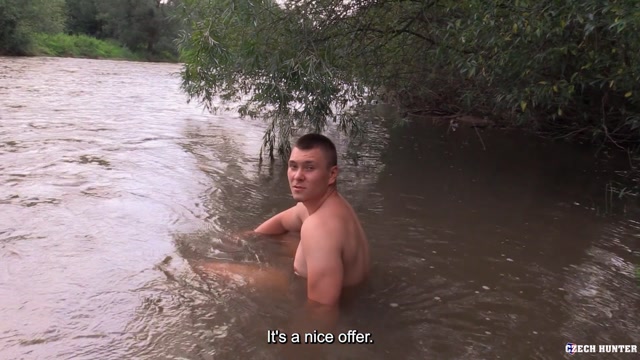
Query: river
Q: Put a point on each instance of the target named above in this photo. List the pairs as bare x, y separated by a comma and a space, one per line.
112, 186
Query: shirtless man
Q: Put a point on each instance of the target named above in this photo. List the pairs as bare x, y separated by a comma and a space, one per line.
333, 252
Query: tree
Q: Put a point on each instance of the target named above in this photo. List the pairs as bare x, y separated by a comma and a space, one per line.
570, 66
83, 18
141, 24
20, 19
268, 55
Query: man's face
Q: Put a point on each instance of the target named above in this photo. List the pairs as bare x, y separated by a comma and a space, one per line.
309, 175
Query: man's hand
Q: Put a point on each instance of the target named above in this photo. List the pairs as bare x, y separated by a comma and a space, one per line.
240, 236
244, 234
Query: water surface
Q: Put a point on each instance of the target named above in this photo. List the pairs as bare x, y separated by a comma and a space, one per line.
112, 187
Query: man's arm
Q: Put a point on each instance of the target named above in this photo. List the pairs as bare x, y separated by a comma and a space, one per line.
323, 254
286, 221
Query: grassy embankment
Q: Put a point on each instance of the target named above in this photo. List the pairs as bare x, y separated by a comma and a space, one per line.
82, 46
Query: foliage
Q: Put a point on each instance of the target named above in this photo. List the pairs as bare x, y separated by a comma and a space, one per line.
20, 19
266, 57
573, 64
80, 46
144, 26
84, 18
568, 66
140, 25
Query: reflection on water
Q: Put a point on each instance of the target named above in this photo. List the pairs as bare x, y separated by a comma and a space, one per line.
112, 188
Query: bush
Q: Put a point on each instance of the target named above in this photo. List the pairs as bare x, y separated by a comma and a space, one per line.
569, 67
80, 46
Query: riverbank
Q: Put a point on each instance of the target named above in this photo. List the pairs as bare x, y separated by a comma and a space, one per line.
82, 46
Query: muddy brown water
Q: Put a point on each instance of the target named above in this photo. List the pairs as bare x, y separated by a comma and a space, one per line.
112, 186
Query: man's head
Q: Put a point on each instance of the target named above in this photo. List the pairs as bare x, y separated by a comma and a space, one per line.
313, 167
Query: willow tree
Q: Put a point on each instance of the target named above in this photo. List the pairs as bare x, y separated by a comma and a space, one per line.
567, 65
299, 64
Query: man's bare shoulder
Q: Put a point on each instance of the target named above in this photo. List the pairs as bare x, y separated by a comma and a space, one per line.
318, 224
320, 238
300, 211
311, 223
294, 217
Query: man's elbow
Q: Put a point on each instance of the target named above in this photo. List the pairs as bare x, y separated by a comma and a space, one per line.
326, 296
325, 301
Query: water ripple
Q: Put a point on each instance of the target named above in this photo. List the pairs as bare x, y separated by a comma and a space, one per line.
112, 189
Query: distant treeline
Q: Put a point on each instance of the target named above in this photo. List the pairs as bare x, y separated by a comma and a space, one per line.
146, 27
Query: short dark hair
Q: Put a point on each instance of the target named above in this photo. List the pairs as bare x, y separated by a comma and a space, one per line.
312, 141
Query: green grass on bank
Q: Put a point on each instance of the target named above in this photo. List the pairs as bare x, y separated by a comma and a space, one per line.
83, 46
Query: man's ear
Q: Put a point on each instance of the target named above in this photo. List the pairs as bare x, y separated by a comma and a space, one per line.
333, 174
